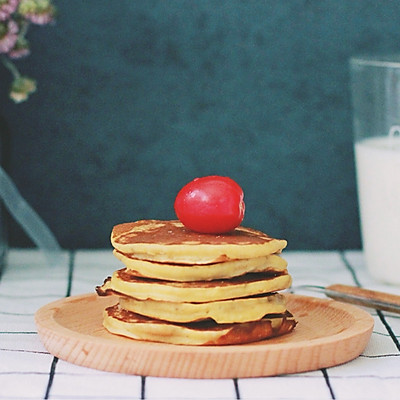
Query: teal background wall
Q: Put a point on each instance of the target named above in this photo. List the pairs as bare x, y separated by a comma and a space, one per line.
136, 98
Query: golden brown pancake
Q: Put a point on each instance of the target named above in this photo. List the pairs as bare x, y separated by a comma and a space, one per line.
129, 324
223, 312
183, 287
203, 272
124, 282
171, 242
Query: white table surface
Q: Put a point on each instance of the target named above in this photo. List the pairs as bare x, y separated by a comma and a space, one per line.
28, 371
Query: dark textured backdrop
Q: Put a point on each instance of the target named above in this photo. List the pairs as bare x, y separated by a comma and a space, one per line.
136, 98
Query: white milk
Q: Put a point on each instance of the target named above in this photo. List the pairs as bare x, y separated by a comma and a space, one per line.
378, 178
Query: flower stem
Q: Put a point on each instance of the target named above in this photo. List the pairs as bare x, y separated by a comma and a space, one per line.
23, 28
11, 67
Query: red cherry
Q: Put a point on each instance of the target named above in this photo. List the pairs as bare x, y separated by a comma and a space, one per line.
211, 204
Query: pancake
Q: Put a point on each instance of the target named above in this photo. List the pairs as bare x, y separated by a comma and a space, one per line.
223, 312
134, 326
124, 282
183, 287
171, 242
187, 273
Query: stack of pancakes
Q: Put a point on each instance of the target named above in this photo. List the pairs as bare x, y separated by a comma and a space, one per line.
183, 287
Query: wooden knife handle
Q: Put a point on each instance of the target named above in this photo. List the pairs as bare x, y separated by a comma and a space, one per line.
364, 297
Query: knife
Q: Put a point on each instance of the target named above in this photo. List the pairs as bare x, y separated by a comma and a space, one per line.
356, 295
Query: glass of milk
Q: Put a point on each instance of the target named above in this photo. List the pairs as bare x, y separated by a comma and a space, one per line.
375, 87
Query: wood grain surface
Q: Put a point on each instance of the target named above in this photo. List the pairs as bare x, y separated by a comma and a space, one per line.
328, 333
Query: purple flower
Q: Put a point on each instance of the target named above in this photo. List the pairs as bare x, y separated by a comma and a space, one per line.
8, 35
7, 7
20, 50
15, 18
42, 18
40, 12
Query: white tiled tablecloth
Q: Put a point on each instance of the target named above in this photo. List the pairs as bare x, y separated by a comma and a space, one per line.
28, 371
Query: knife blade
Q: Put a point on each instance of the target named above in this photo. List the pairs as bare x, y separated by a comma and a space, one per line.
359, 296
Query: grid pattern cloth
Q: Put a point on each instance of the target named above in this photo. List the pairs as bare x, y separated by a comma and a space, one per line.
28, 371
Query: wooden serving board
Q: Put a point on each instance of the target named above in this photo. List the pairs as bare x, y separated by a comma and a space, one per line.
328, 333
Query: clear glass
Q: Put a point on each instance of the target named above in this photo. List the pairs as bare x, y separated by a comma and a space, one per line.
3, 227
3, 240
375, 87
